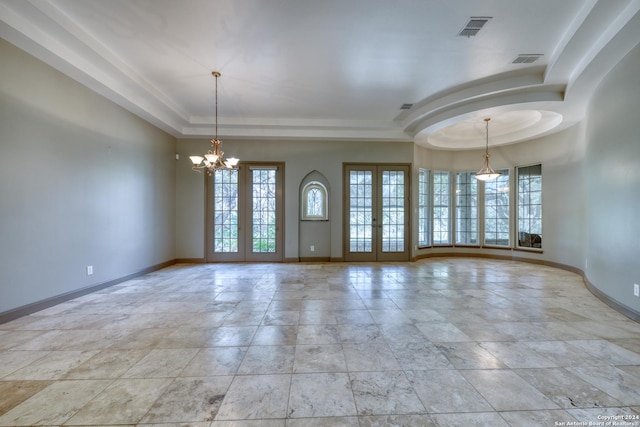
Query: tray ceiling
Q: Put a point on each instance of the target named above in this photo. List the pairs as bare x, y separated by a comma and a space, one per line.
333, 69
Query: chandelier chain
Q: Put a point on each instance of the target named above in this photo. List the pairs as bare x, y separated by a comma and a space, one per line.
486, 173
213, 160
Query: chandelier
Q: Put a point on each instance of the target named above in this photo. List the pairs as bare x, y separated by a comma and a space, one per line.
486, 173
213, 160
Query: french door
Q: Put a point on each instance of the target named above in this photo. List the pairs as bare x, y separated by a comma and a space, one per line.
377, 212
244, 214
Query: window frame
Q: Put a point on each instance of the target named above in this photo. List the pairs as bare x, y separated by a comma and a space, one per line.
510, 208
425, 213
518, 209
308, 187
448, 194
472, 182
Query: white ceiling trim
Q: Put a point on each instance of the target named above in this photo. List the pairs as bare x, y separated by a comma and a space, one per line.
599, 35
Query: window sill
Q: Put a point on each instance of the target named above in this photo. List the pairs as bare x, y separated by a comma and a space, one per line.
533, 250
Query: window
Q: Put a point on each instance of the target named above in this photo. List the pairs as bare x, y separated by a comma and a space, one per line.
530, 206
393, 209
264, 221
424, 211
441, 208
244, 213
466, 208
360, 211
315, 202
225, 220
496, 210
376, 212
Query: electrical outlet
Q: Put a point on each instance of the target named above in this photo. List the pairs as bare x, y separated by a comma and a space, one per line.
636, 289
312, 248
89, 270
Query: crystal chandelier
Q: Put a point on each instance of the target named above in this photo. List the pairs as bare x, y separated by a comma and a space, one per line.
213, 160
486, 173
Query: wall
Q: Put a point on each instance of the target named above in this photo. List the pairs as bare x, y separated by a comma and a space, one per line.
613, 182
561, 154
564, 196
82, 182
300, 157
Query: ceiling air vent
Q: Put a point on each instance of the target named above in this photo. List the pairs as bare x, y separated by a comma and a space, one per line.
474, 25
526, 58
406, 106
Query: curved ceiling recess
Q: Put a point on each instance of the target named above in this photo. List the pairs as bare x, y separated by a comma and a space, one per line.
530, 66
537, 100
506, 128
520, 105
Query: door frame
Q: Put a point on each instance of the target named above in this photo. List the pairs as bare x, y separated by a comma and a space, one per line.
244, 253
376, 254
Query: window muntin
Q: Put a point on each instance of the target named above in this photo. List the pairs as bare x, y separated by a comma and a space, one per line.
441, 208
393, 224
496, 210
360, 211
530, 206
315, 204
424, 208
466, 208
225, 217
264, 224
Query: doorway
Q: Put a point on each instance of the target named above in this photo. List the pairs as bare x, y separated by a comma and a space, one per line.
377, 212
244, 213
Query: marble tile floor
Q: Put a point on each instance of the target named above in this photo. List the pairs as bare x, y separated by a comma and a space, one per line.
438, 342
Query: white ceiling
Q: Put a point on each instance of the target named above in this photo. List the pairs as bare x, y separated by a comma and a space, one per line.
335, 69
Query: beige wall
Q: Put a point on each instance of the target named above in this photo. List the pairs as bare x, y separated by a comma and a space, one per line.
82, 182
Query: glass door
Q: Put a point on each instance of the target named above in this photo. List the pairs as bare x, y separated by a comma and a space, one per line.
244, 214
264, 237
377, 206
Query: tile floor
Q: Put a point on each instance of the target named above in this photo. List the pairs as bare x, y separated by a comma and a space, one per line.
439, 342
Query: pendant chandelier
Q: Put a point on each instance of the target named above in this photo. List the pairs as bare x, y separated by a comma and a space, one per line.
486, 173
213, 160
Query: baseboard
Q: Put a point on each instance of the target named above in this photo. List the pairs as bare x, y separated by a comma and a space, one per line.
315, 259
190, 261
620, 308
617, 306
25, 310
461, 255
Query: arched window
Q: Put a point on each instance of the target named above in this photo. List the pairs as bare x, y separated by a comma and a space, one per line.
315, 204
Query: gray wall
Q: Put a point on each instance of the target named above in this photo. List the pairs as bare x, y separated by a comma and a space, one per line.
82, 182
563, 188
564, 195
613, 183
301, 158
